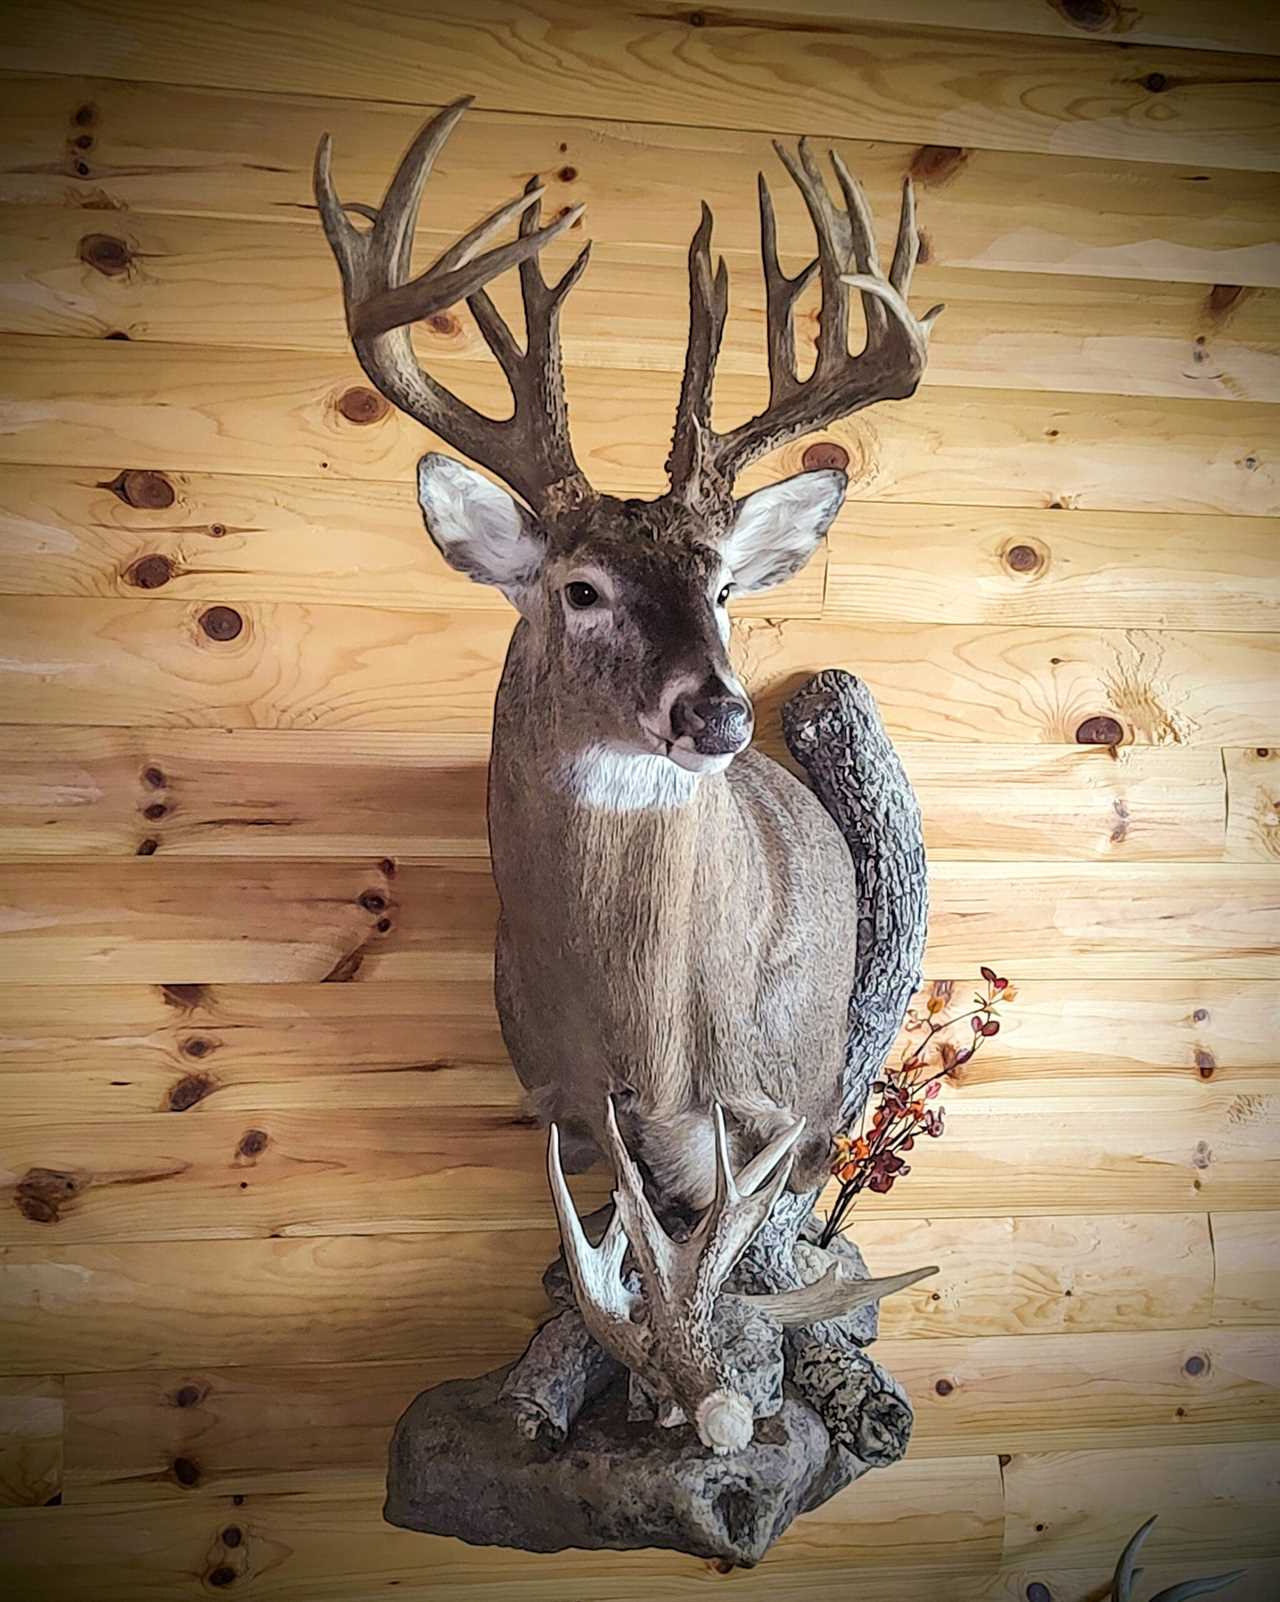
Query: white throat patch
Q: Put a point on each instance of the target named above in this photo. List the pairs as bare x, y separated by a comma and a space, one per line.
613, 779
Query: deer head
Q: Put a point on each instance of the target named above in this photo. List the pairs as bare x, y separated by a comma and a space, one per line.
625, 599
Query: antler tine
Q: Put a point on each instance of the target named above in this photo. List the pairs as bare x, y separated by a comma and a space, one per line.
1189, 1588
1122, 1582
651, 1246
736, 1214
531, 450
595, 1272
708, 308
906, 250
781, 294
834, 1295
866, 258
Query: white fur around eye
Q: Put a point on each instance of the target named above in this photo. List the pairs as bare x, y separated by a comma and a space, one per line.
776, 529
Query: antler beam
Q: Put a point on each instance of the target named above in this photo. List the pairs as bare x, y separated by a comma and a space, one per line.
531, 449
703, 463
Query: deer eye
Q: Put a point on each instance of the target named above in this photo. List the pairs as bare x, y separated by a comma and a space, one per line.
723, 597
581, 595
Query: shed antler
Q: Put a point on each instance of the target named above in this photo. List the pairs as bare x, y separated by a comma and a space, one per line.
531, 449
703, 463
665, 1333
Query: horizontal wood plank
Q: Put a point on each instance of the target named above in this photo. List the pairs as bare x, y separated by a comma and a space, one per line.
316, 793
83, 402
1025, 565
476, 1297
316, 1548
863, 80
249, 156
108, 1052
159, 664
325, 1427
210, 281
208, 922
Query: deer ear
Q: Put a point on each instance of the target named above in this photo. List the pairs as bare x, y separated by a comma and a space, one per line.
479, 528
776, 529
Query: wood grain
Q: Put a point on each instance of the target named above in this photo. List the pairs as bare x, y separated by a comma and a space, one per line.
316, 793
860, 80
1024, 565
249, 157
296, 1549
211, 922
31, 1438
208, 281
1246, 1287
83, 402
324, 1427
1253, 804
152, 665
474, 1298
1214, 1501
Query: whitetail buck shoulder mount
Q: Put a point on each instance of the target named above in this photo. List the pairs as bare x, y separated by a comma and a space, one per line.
678, 934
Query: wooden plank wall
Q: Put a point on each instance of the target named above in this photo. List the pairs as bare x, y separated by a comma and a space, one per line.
263, 1167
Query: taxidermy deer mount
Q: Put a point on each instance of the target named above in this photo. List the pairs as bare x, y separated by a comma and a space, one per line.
682, 925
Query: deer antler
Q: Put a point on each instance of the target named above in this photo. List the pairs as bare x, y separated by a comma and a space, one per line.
703, 463
664, 1334
1126, 1575
530, 450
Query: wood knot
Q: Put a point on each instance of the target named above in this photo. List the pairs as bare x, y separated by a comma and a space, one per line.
1200, 1015
372, 901
150, 572
222, 1575
825, 454
441, 323
1206, 1062
185, 996
221, 622
252, 1143
935, 164
1023, 558
1091, 15
360, 404
41, 1194
566, 175
188, 1396
188, 1091
232, 1536
1155, 83
106, 254
1099, 730
944, 1387
1195, 1365
142, 488
147, 848
155, 811
186, 1471
1039, 1593
1263, 751
1202, 1156
85, 115
198, 1047
153, 778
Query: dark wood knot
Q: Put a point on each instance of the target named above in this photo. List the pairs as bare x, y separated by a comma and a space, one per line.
1023, 558
106, 254
184, 996
1039, 1593
252, 1143
1200, 1015
141, 487
187, 1396
825, 454
186, 1471
442, 323
1206, 1062
1091, 15
934, 164
155, 811
189, 1090
1099, 730
153, 778
232, 1536
197, 1047
85, 114
944, 1387
221, 622
362, 405
1195, 1365
147, 848
371, 901
566, 175
1155, 82
222, 1575
150, 572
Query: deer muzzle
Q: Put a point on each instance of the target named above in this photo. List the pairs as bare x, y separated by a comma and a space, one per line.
718, 724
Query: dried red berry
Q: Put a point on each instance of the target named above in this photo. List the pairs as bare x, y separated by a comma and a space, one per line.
991, 1027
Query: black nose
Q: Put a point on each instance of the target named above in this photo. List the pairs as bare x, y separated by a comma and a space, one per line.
718, 725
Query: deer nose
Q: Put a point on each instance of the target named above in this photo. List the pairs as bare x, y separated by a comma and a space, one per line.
717, 724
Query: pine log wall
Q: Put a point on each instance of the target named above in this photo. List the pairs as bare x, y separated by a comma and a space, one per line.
263, 1168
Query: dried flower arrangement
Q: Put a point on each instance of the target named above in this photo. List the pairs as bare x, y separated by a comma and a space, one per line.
907, 1106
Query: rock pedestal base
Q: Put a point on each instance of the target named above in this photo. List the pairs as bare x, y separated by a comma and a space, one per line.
460, 1467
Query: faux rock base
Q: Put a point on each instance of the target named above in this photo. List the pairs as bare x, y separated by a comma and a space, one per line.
460, 1467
